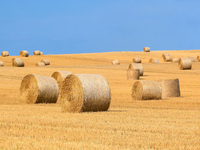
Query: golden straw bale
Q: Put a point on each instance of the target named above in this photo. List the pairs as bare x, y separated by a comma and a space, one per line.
45, 61
175, 60
116, 62
133, 74
185, 63
38, 89
146, 90
193, 59
85, 92
24, 53
41, 53
17, 62
4, 54
40, 64
146, 49
198, 58
152, 60
137, 60
37, 52
170, 88
136, 66
166, 57
1, 64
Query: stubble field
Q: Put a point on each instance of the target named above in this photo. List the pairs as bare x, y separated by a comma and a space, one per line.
172, 123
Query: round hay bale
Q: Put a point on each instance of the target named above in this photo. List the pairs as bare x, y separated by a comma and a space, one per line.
152, 60
185, 63
39, 64
133, 74
84, 93
116, 62
45, 61
146, 49
24, 53
37, 52
4, 54
193, 59
170, 88
1, 64
41, 53
136, 66
17, 62
174, 60
146, 90
38, 89
198, 58
166, 57
137, 60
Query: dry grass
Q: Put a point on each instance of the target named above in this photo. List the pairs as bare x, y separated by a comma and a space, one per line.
172, 123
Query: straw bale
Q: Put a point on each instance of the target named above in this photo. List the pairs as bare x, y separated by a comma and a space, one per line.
136, 66
38, 89
116, 62
185, 63
84, 93
39, 64
137, 60
37, 52
24, 53
193, 59
166, 57
146, 90
175, 60
1, 64
198, 58
152, 60
4, 54
146, 49
133, 74
170, 88
45, 61
17, 62
41, 53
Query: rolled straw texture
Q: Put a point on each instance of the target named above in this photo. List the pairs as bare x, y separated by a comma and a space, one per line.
174, 60
4, 54
198, 58
24, 53
146, 49
193, 59
136, 66
40, 64
185, 63
146, 90
37, 52
1, 64
17, 62
38, 89
41, 53
84, 93
116, 62
170, 88
137, 60
133, 74
152, 60
166, 57
45, 61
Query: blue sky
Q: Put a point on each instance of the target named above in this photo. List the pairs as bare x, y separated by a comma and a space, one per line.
87, 26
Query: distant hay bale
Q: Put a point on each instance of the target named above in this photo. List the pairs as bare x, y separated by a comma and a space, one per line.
136, 66
1, 64
174, 60
39, 64
146, 90
116, 62
137, 60
37, 52
193, 59
41, 53
38, 89
133, 74
152, 60
166, 57
4, 54
17, 62
45, 61
170, 88
198, 58
24, 53
185, 63
146, 49
84, 93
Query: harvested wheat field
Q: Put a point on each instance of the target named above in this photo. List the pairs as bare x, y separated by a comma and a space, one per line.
170, 123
